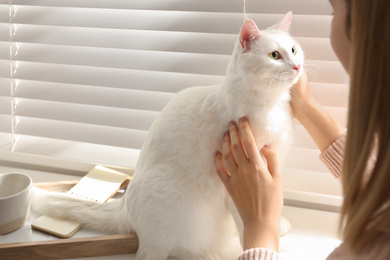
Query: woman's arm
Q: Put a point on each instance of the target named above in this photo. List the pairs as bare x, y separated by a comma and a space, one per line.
320, 125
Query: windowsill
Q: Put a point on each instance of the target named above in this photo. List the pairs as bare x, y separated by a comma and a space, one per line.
313, 235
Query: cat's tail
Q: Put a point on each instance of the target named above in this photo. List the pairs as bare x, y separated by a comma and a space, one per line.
109, 217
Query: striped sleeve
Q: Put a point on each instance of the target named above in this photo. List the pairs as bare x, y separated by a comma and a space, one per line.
259, 254
333, 157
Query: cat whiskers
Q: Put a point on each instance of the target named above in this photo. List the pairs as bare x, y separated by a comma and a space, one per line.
280, 77
284, 76
270, 83
311, 69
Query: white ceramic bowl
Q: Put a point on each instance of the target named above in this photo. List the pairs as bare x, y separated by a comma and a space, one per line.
15, 189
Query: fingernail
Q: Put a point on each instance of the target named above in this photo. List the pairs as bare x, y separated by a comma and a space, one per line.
232, 123
266, 147
242, 119
227, 134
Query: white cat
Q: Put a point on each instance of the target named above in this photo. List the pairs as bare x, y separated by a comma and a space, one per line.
176, 202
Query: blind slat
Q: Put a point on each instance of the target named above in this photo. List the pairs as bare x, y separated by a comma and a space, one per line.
104, 135
119, 78
5, 105
4, 50
165, 20
4, 69
338, 98
207, 64
81, 152
326, 72
4, 13
86, 114
4, 32
5, 89
283, 6
124, 39
102, 96
6, 124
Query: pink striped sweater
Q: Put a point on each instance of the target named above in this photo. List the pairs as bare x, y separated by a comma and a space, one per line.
332, 158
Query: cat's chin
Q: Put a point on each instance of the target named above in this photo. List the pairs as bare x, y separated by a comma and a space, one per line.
289, 79
295, 79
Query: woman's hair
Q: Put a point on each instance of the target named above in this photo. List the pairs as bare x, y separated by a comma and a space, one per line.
348, 16
364, 217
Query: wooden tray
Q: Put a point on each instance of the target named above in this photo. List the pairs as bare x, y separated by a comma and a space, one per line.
70, 247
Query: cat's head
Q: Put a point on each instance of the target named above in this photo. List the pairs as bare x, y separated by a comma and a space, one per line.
268, 56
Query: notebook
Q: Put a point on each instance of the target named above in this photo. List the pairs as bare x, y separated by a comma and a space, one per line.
99, 185
59, 227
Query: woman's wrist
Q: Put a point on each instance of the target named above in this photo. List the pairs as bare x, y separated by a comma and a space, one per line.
302, 108
259, 234
317, 121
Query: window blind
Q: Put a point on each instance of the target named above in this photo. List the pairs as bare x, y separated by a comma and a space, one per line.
82, 81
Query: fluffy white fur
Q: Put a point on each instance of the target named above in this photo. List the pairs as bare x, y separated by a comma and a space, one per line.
175, 202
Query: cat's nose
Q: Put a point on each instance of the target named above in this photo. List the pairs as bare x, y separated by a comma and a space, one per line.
297, 67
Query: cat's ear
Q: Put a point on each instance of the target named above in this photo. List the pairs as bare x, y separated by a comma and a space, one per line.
284, 24
249, 33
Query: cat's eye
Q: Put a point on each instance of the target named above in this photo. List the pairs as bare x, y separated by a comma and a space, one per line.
274, 55
294, 50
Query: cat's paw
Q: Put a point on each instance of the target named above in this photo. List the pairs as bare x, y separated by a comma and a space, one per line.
285, 226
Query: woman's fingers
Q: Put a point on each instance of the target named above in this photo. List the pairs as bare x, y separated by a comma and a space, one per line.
228, 158
222, 173
248, 141
272, 161
236, 144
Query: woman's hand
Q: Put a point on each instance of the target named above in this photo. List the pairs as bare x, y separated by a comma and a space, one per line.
253, 180
300, 95
321, 126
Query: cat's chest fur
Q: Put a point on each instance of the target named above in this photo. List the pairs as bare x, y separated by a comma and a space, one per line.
270, 120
